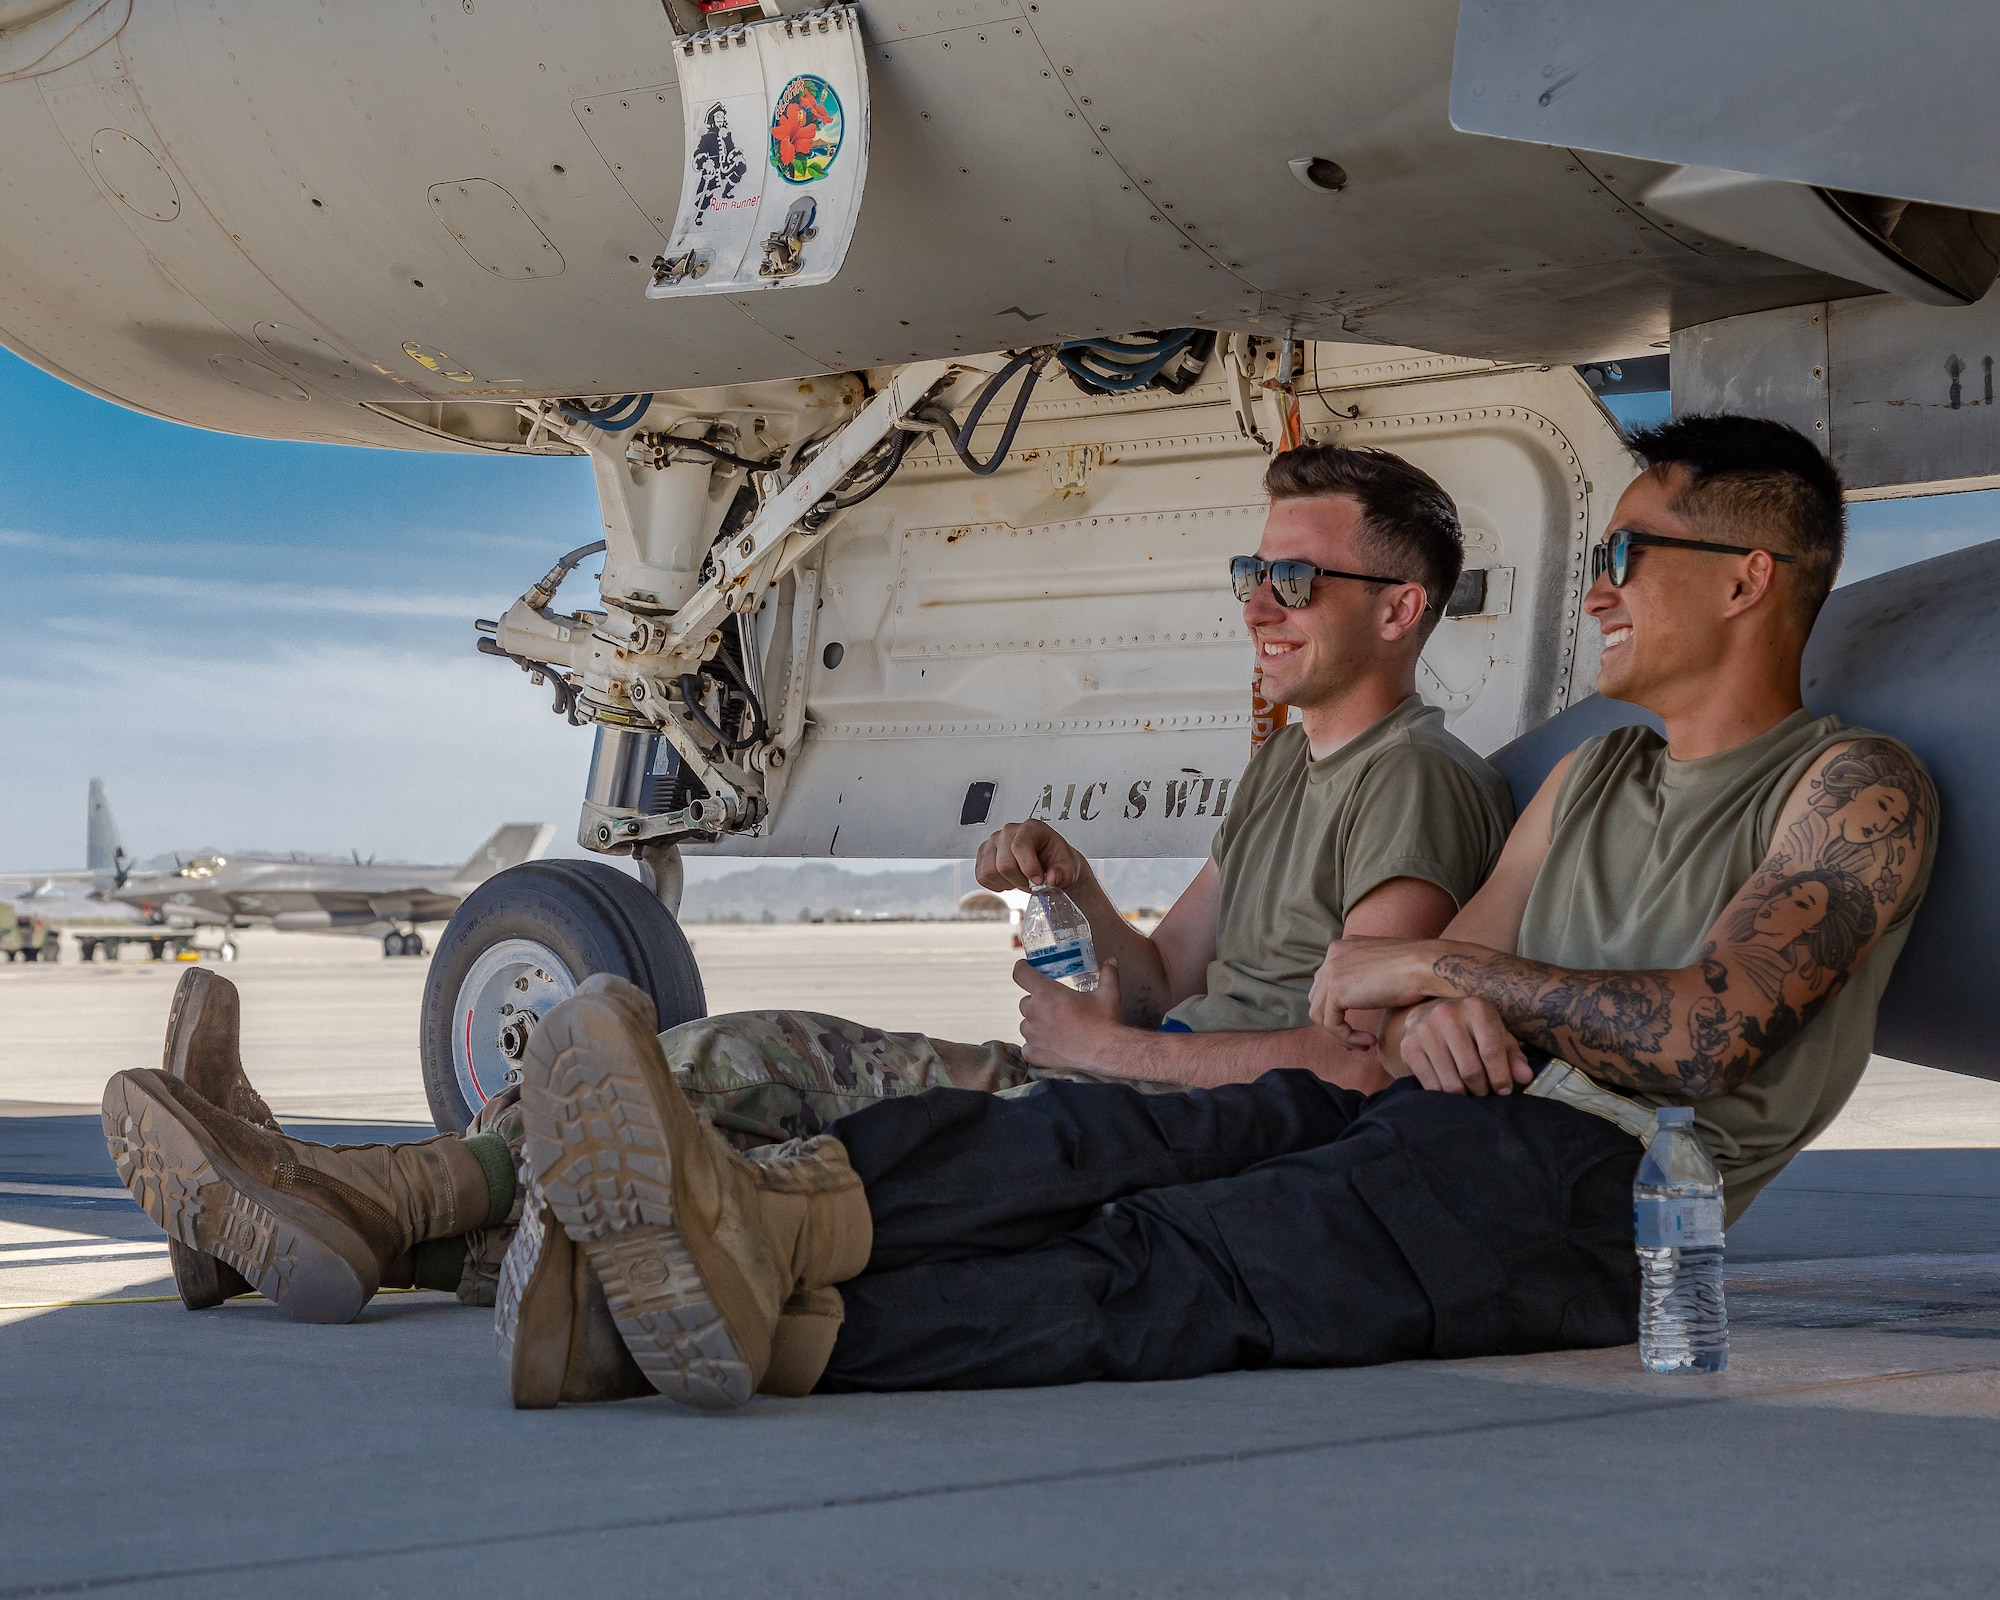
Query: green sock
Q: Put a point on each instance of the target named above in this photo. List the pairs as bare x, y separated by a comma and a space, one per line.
439, 1264
498, 1164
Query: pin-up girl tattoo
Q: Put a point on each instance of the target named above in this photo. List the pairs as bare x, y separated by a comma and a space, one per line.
1807, 926
1864, 808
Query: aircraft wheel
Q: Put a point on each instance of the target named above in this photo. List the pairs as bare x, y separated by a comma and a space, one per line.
521, 942
392, 944
413, 944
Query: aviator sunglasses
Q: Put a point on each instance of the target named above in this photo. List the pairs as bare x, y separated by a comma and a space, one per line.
1291, 581
1614, 555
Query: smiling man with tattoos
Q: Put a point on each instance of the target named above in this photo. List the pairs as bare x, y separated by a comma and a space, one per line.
1707, 919
1704, 919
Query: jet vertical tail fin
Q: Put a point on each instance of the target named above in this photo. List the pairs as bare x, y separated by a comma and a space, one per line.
104, 851
511, 844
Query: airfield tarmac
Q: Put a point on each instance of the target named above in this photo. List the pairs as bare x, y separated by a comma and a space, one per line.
1853, 1448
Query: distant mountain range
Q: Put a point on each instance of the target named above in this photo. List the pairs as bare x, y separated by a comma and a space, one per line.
817, 888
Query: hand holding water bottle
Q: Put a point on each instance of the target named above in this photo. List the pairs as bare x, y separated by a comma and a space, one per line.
1028, 855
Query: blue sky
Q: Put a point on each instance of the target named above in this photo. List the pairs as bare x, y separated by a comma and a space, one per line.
264, 645
267, 645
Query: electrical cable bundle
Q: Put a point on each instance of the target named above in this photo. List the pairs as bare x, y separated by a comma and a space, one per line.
1170, 359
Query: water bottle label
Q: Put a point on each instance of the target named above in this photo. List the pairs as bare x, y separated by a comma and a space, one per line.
1678, 1224
1060, 960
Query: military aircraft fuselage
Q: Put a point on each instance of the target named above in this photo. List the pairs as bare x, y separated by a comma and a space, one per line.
298, 893
328, 222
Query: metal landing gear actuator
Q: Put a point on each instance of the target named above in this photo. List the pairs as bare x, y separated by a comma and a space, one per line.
698, 541
711, 502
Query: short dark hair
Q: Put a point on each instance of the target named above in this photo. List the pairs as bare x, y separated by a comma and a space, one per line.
1408, 522
1757, 479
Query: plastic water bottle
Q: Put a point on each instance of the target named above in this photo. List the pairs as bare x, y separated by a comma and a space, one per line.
1055, 937
1677, 1221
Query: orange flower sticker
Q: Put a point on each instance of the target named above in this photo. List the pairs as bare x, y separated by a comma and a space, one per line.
806, 129
795, 132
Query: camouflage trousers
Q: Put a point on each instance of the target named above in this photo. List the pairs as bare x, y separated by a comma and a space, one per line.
767, 1076
764, 1077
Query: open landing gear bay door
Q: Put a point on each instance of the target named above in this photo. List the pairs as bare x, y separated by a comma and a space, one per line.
777, 152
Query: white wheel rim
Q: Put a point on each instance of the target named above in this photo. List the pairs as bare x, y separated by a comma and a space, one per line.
519, 974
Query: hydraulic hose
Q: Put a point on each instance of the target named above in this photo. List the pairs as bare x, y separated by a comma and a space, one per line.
545, 588
961, 442
617, 416
716, 452
899, 447
690, 686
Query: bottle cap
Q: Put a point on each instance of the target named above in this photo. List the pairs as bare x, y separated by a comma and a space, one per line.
1674, 1116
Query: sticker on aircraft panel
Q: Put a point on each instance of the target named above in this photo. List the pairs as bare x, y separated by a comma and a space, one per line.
806, 129
799, 86
437, 361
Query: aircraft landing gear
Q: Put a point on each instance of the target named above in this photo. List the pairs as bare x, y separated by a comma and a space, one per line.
402, 944
522, 941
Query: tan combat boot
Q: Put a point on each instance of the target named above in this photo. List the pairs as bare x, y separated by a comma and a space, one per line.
202, 1051
552, 1327
317, 1228
701, 1250
559, 1344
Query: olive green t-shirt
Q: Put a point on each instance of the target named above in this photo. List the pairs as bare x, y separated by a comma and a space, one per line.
1306, 840
1644, 854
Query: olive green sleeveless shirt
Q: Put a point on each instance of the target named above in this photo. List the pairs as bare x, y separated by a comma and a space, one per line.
1644, 854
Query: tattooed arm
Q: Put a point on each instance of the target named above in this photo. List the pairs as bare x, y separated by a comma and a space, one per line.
1843, 860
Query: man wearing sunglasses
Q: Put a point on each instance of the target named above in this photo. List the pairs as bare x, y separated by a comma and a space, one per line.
1706, 919
1364, 818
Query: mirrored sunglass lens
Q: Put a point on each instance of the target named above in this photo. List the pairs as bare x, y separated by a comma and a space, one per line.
1245, 573
1292, 582
1621, 558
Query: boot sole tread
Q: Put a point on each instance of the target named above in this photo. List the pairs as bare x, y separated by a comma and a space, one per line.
205, 1205
202, 1281
533, 1383
601, 1151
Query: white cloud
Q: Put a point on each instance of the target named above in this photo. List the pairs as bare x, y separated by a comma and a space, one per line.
318, 747
229, 594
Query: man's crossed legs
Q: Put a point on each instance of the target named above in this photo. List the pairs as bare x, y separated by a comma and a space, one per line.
1076, 1231
440, 1213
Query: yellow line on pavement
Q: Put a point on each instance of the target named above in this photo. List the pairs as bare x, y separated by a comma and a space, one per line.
161, 1299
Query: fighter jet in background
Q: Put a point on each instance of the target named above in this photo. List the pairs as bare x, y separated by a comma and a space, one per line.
319, 894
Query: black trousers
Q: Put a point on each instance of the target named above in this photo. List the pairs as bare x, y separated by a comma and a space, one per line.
1085, 1230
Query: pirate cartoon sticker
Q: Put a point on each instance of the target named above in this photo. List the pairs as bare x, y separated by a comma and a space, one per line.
720, 164
806, 129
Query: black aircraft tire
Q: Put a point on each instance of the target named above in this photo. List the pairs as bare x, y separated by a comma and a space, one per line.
566, 920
